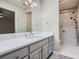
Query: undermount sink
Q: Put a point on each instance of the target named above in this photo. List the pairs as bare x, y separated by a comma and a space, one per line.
33, 36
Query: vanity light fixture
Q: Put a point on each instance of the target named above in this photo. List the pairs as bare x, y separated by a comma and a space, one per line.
35, 4
26, 2
1, 14
31, 3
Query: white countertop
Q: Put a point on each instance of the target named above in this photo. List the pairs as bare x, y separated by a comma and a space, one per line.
13, 43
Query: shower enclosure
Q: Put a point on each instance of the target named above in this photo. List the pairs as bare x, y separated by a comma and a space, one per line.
68, 28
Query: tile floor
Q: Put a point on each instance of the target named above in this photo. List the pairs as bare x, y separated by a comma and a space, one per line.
51, 57
63, 57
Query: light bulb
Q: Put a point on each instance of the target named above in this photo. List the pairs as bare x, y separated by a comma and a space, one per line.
32, 5
35, 4
30, 1
0, 13
26, 2
1, 16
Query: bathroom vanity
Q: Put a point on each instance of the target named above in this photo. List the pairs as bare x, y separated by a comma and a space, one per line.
36, 46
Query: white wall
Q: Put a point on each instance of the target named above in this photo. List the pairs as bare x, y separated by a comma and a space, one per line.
20, 17
37, 17
50, 19
45, 18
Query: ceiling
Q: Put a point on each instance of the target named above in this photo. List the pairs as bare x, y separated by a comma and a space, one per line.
67, 4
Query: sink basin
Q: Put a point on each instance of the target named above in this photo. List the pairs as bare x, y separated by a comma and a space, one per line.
33, 36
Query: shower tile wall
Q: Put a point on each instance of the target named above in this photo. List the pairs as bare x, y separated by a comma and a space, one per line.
68, 33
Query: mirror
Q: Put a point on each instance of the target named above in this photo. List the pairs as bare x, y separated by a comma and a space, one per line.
7, 21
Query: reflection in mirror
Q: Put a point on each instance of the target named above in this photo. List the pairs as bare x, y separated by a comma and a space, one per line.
7, 21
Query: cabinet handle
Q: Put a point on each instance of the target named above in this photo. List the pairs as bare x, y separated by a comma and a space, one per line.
17, 57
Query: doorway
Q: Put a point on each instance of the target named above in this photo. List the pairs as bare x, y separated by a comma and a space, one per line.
29, 21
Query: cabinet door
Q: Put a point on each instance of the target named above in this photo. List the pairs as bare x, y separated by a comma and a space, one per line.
35, 46
17, 55
50, 44
36, 54
45, 51
10, 56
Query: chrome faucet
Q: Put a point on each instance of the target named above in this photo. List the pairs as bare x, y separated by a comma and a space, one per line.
31, 33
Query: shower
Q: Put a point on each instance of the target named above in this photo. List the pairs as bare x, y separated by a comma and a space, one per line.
76, 26
69, 28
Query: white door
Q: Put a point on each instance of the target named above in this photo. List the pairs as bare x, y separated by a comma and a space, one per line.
68, 31
36, 54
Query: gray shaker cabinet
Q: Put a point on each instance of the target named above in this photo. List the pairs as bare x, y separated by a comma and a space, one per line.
38, 50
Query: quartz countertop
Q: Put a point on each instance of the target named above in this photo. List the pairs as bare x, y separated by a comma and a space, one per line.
10, 44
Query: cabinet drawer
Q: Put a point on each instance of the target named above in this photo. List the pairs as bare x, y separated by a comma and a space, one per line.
17, 54
37, 45
10, 56
36, 54
21, 53
50, 39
